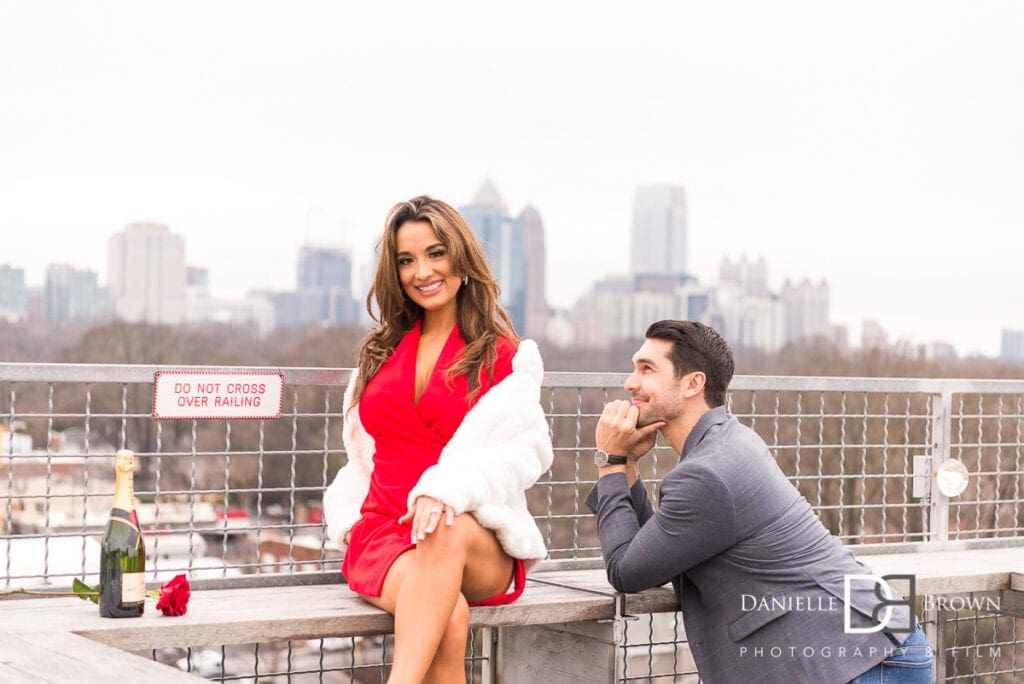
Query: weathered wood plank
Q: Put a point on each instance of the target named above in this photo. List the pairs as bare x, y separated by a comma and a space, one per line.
936, 572
234, 616
281, 613
951, 572
59, 657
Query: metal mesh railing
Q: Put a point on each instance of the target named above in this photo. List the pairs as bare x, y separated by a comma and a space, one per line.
986, 435
975, 645
222, 498
983, 646
656, 650
217, 498
350, 660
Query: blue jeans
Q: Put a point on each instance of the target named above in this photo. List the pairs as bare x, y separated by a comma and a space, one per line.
911, 663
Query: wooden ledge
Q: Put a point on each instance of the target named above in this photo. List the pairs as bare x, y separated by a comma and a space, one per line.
55, 639
952, 572
242, 616
63, 657
248, 615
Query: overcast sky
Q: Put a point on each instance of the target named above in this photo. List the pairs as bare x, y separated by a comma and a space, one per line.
878, 145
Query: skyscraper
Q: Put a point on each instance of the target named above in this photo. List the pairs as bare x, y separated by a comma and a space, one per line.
659, 230
325, 267
322, 294
748, 276
516, 252
73, 294
806, 306
487, 216
535, 316
12, 293
324, 289
1012, 347
146, 273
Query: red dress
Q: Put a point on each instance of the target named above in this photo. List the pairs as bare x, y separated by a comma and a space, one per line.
409, 438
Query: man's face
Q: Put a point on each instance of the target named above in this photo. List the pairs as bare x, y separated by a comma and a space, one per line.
656, 390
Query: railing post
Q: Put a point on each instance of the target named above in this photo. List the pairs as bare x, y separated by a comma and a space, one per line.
938, 639
489, 670
942, 419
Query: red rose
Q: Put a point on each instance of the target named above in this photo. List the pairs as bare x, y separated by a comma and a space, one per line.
174, 596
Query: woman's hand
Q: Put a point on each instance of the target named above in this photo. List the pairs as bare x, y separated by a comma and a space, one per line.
425, 514
348, 537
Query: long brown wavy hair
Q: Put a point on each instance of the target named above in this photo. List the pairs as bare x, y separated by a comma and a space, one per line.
481, 318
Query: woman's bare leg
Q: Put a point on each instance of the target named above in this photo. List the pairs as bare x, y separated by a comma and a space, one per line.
427, 590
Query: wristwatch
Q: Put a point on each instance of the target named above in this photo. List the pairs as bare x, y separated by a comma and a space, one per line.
603, 458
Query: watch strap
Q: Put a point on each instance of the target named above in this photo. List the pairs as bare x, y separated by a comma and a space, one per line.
603, 458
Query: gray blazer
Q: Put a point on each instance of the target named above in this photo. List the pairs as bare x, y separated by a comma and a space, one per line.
759, 578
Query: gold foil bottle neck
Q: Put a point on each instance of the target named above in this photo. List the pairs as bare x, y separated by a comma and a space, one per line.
124, 461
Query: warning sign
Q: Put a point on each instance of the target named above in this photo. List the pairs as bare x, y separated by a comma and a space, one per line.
210, 394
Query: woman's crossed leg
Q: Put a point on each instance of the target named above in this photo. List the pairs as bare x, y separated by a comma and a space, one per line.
428, 590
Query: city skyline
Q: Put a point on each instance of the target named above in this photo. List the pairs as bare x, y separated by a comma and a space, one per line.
876, 147
731, 273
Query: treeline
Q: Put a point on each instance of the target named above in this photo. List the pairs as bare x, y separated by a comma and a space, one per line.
134, 343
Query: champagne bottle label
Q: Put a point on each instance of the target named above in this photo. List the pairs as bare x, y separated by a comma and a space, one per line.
133, 587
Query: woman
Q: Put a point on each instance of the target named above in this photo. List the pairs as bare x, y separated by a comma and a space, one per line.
444, 433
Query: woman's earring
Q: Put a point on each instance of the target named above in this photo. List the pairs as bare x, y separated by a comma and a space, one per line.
465, 280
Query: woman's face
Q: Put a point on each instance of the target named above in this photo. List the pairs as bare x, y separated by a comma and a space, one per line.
425, 267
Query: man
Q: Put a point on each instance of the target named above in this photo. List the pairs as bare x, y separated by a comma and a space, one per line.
759, 578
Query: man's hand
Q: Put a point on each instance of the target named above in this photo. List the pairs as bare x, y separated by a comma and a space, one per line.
618, 434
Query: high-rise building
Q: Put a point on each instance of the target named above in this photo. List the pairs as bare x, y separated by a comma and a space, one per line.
621, 307
146, 274
12, 293
487, 215
1012, 346
324, 284
742, 308
323, 293
807, 310
203, 308
516, 252
659, 230
73, 294
534, 255
749, 276
745, 321
324, 267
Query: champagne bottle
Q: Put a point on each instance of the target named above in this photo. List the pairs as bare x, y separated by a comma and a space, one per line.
123, 552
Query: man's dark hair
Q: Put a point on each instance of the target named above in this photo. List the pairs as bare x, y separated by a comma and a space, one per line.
697, 347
